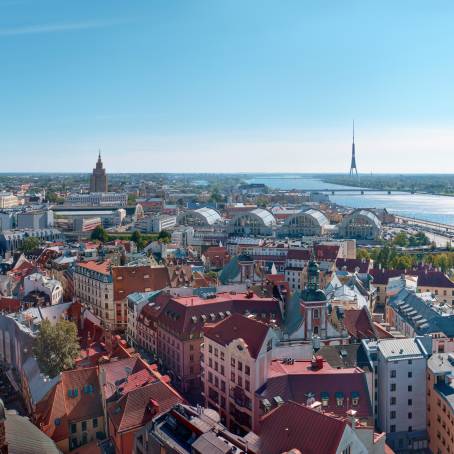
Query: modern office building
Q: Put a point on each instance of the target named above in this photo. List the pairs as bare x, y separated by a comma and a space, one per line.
400, 377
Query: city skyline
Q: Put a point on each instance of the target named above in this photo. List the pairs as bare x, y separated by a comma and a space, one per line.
226, 87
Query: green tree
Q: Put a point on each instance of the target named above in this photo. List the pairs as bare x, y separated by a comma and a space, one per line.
56, 347
164, 236
132, 199
363, 254
402, 262
100, 234
138, 239
53, 197
401, 239
30, 244
216, 197
442, 262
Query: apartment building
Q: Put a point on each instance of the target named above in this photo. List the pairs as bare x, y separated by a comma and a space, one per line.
400, 376
105, 288
180, 328
440, 403
235, 355
93, 285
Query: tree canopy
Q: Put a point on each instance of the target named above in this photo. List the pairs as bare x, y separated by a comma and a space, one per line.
100, 234
56, 347
138, 239
164, 236
30, 244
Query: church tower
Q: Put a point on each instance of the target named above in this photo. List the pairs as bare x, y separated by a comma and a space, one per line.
98, 179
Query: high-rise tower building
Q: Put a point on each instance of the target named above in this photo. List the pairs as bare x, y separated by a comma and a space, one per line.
98, 179
353, 168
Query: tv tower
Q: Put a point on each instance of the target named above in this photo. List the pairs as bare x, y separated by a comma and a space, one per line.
353, 168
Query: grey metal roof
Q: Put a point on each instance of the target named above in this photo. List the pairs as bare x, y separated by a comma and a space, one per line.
264, 216
399, 348
422, 313
23, 437
39, 385
208, 215
367, 214
317, 215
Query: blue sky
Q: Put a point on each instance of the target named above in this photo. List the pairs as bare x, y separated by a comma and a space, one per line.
226, 85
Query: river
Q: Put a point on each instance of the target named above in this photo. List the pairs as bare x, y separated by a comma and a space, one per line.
421, 206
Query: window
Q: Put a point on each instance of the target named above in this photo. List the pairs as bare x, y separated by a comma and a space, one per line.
347, 450
393, 401
240, 366
392, 428
232, 376
410, 361
269, 345
393, 386
247, 385
95, 423
392, 415
84, 425
216, 352
240, 381
232, 362
410, 388
210, 348
410, 374
410, 402
410, 429
247, 370
73, 428
410, 415
316, 314
393, 373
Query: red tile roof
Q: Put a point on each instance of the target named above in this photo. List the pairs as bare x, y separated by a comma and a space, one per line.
295, 381
64, 404
359, 324
426, 278
352, 265
326, 251
235, 327
187, 315
99, 267
299, 254
130, 279
140, 405
294, 426
9, 304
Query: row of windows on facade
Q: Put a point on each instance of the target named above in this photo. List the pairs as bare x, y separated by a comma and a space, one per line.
233, 378
393, 374
393, 387
84, 425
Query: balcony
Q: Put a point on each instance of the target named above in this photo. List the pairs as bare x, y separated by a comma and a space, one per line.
240, 399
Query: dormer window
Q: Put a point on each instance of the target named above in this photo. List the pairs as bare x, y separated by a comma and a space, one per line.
339, 399
325, 398
355, 398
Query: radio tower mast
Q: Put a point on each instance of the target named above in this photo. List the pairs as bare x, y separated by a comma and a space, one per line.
353, 168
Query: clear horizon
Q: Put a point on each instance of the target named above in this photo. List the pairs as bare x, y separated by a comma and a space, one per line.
229, 87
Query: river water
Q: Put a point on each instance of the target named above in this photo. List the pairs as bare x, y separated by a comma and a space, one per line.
420, 206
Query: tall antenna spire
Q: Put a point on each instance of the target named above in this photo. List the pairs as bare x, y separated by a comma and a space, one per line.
353, 168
